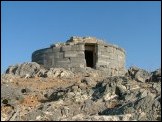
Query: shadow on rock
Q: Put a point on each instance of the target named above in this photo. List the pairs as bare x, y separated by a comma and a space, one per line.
99, 90
56, 95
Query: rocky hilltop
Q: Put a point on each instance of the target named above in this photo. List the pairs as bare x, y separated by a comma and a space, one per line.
32, 93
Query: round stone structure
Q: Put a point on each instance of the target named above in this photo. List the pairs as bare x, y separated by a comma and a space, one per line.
81, 52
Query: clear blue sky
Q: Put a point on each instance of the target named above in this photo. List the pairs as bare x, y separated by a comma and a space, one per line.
135, 26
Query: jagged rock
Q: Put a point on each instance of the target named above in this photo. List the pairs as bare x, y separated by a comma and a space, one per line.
143, 93
42, 73
98, 91
120, 90
88, 81
109, 88
139, 107
8, 78
157, 86
74, 88
157, 72
145, 105
59, 72
12, 69
70, 94
138, 74
76, 97
83, 117
82, 86
156, 75
24, 70
10, 95
142, 76
31, 116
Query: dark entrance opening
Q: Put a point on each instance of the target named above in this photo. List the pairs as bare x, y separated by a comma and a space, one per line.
90, 55
89, 58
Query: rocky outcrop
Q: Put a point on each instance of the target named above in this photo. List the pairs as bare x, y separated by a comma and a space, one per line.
156, 76
59, 72
57, 94
32, 69
24, 70
139, 74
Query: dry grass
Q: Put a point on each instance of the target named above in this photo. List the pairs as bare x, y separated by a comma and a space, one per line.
42, 83
30, 101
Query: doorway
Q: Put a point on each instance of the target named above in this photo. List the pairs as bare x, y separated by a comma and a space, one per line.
90, 55
89, 58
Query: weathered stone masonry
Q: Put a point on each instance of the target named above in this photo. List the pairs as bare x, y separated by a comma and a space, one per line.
83, 52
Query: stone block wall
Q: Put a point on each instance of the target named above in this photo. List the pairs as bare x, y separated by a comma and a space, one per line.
66, 56
109, 58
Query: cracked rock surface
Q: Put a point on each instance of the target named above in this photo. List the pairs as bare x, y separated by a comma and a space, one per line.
57, 94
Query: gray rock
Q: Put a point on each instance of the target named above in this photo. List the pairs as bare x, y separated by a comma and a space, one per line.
12, 69
32, 115
157, 72
24, 70
133, 70
88, 103
157, 86
139, 74
8, 78
156, 76
10, 94
142, 76
70, 94
108, 88
83, 117
145, 105
91, 107
74, 88
120, 91
144, 93
88, 81
112, 98
82, 86
42, 73
59, 72
98, 91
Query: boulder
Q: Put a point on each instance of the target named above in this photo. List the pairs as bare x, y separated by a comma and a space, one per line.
88, 81
157, 87
59, 72
138, 74
142, 75
156, 75
10, 94
8, 78
24, 70
42, 73
96, 97
12, 69
157, 72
